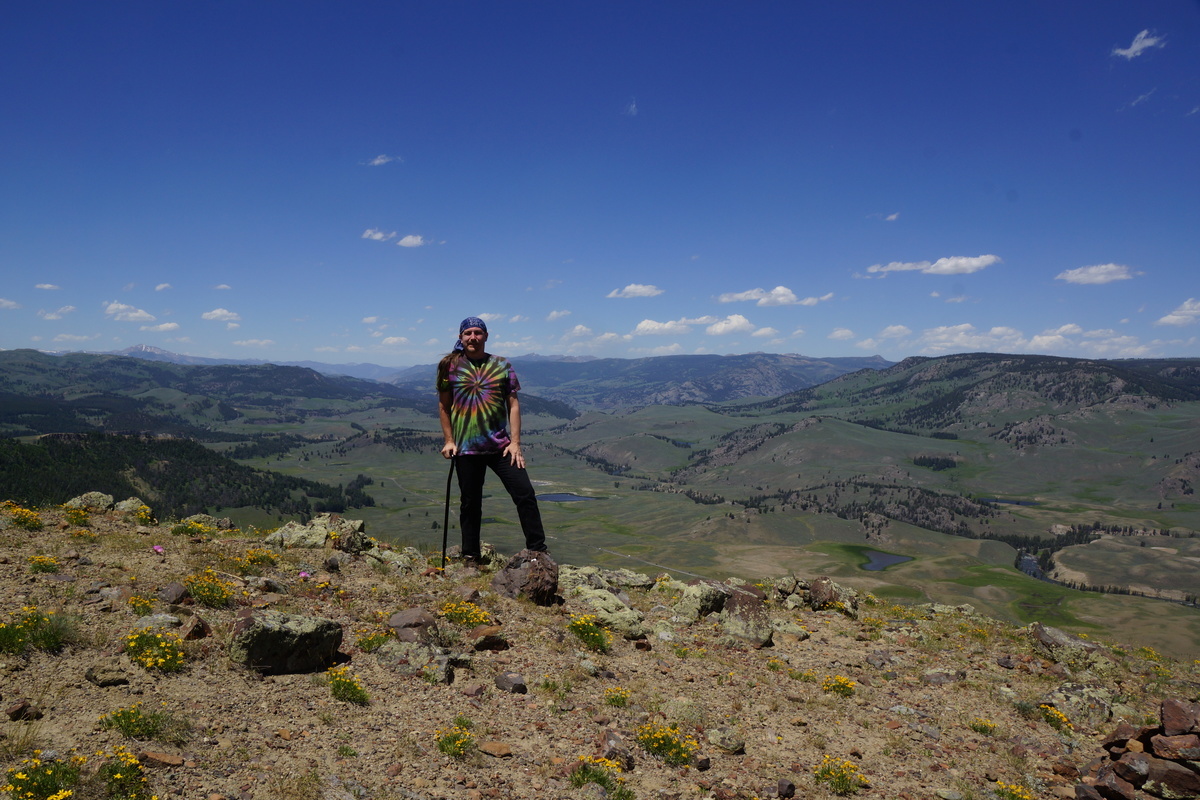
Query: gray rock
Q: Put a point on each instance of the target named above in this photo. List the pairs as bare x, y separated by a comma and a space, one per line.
700, 599
611, 612
414, 625
158, 621
727, 740
511, 682
92, 501
276, 643
745, 617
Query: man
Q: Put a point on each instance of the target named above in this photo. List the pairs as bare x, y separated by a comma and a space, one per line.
481, 425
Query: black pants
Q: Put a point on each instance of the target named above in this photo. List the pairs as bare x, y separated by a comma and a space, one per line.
471, 472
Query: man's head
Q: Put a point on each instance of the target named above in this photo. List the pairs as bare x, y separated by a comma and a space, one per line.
472, 334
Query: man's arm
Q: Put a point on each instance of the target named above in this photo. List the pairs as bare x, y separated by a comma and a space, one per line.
513, 451
449, 448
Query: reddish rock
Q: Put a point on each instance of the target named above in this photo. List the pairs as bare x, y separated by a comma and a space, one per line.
151, 759
1179, 716
195, 628
413, 625
1133, 767
1112, 786
495, 749
1185, 747
23, 711
531, 575
1168, 779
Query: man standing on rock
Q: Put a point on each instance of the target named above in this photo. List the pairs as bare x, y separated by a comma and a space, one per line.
481, 424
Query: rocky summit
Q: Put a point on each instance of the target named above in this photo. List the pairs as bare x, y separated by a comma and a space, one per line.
188, 659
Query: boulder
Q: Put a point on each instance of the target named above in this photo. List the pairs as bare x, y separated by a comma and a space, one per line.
91, 501
745, 617
531, 575
699, 599
413, 625
1179, 716
611, 612
824, 594
273, 642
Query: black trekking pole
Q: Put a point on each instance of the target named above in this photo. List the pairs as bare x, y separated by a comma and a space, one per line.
446, 519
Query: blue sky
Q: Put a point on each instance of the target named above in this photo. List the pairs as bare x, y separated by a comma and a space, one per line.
344, 182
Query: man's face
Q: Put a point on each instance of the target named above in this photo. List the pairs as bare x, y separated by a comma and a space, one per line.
472, 340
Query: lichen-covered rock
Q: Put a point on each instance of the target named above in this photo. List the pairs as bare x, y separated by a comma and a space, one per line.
273, 642
92, 501
611, 612
700, 599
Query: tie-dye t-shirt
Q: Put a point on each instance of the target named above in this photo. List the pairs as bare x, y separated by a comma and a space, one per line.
479, 403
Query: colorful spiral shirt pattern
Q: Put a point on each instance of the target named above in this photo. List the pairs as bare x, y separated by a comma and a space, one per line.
479, 403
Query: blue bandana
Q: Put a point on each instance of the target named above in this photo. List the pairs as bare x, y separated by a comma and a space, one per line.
469, 322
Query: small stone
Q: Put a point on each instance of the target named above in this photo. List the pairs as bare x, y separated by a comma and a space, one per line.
151, 759
495, 749
511, 682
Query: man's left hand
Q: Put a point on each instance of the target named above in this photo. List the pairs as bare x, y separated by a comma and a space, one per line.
513, 451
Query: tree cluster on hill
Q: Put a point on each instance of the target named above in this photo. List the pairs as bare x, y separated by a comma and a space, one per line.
178, 477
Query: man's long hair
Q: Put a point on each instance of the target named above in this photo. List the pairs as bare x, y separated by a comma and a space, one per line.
443, 369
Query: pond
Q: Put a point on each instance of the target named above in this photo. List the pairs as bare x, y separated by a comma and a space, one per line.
563, 497
878, 561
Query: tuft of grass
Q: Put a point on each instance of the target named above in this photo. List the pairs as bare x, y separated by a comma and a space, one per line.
457, 742
135, 723
667, 743
588, 630
209, 589
840, 776
156, 650
603, 772
345, 687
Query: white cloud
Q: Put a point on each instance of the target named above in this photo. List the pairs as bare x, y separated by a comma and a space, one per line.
126, 313
380, 160
967, 338
369, 320
662, 350
56, 314
49, 286
163, 328
412, 240
491, 317
578, 332
1142, 42
779, 296
895, 332
636, 290
393, 341
221, 315
254, 342
734, 323
631, 109
376, 235
893, 217
70, 337
558, 314
1096, 274
953, 265
232, 326
1186, 314
841, 334
518, 318
765, 333
9, 304
649, 327
222, 287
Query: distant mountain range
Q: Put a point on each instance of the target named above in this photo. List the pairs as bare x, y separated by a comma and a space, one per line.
606, 383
